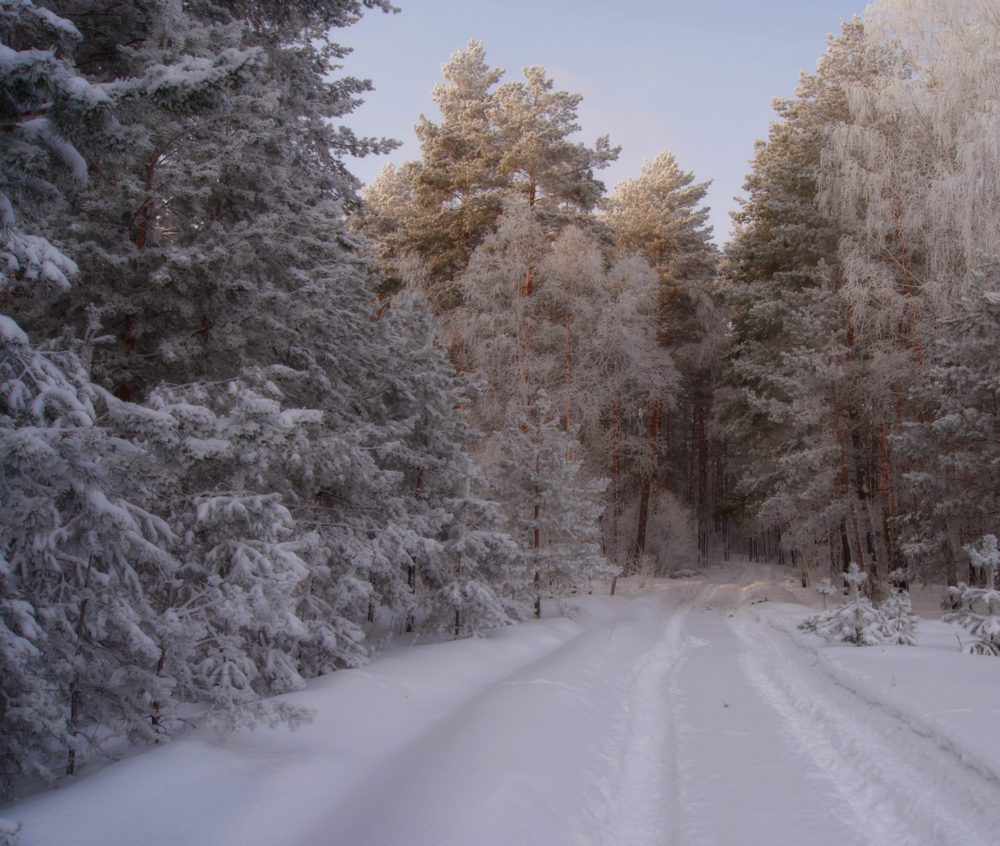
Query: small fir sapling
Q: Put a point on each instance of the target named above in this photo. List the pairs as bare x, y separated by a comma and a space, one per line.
899, 620
857, 621
978, 609
826, 589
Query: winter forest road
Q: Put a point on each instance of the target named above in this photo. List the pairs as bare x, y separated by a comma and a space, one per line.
719, 731
676, 716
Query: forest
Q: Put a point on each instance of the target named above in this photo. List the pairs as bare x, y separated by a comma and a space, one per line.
256, 419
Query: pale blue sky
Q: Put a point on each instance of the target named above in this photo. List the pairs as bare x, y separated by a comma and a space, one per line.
695, 78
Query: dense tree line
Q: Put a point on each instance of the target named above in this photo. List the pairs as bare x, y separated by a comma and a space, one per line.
547, 286
860, 284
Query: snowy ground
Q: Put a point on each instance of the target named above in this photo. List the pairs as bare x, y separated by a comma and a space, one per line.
690, 712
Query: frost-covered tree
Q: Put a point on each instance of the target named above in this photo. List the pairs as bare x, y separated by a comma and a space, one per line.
952, 449
553, 513
904, 177
459, 567
232, 634
805, 385
899, 620
212, 253
636, 386
82, 560
223, 191
825, 589
793, 421
658, 216
528, 332
550, 315
502, 330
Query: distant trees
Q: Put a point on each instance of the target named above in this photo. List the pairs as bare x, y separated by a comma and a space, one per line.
560, 343
548, 286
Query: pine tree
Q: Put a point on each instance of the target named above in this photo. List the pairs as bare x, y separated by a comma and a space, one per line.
904, 178
956, 438
82, 560
231, 633
458, 567
899, 620
502, 330
657, 217
494, 143
551, 315
790, 317
224, 192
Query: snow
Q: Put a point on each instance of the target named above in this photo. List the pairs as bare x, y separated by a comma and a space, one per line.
687, 712
60, 24
11, 332
41, 129
940, 692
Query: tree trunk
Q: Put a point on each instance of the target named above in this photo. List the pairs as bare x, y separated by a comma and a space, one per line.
569, 386
74, 713
652, 427
846, 478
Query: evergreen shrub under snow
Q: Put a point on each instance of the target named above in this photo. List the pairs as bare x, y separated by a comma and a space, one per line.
859, 622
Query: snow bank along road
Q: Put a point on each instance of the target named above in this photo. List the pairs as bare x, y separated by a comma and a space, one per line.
680, 716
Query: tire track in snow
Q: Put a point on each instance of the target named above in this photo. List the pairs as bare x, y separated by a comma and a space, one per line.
638, 798
903, 789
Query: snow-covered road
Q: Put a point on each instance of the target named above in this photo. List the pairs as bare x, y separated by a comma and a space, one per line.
676, 717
